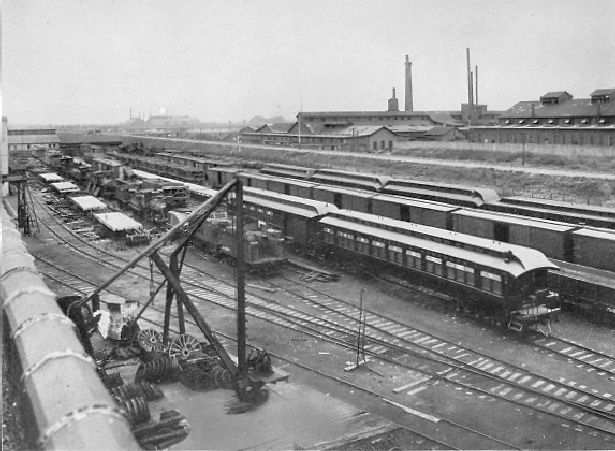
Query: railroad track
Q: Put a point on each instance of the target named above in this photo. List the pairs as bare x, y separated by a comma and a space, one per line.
200, 286
603, 364
78, 284
594, 361
591, 415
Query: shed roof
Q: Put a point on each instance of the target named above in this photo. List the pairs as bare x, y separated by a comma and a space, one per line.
50, 177
570, 108
88, 203
65, 187
117, 221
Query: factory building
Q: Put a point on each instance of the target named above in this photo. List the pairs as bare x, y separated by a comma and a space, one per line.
30, 139
555, 118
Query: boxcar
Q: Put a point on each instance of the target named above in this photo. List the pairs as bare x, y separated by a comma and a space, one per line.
595, 248
552, 238
344, 198
441, 192
435, 214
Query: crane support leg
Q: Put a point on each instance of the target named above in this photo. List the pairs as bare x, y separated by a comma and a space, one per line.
191, 308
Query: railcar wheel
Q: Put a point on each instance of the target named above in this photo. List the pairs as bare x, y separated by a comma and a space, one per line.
150, 340
184, 346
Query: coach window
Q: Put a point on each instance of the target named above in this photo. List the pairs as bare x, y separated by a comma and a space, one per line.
491, 282
379, 250
328, 236
395, 253
413, 259
363, 245
434, 265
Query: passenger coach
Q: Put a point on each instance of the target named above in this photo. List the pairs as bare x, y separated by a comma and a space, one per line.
507, 282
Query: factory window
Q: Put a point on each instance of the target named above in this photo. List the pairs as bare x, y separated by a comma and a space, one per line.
375, 145
434, 265
390, 145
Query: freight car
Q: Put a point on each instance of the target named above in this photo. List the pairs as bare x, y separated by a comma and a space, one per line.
263, 247
507, 282
556, 211
297, 218
590, 292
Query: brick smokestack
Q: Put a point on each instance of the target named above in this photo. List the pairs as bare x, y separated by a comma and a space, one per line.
409, 103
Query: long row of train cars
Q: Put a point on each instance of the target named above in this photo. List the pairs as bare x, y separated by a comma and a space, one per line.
583, 245
587, 246
507, 282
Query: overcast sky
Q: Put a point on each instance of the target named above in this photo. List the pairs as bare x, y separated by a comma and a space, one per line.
90, 61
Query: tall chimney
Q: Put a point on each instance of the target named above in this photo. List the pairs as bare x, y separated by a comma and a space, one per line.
470, 94
476, 84
409, 103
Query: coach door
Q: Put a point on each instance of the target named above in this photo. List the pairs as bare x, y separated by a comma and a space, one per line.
404, 213
337, 200
501, 232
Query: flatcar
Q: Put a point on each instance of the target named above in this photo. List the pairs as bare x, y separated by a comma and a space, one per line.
507, 282
263, 247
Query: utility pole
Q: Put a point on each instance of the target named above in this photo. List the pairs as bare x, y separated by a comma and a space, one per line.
361, 330
241, 298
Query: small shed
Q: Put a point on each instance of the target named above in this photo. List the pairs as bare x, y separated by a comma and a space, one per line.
65, 187
116, 224
88, 203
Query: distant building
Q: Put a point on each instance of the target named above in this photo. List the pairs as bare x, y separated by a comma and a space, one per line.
78, 144
555, 118
355, 138
30, 139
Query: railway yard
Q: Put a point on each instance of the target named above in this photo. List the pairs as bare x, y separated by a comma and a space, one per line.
395, 313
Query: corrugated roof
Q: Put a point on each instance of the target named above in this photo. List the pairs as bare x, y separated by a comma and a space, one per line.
117, 221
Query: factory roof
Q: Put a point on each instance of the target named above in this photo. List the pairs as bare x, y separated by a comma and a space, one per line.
75, 138
88, 203
117, 221
32, 139
569, 108
603, 92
